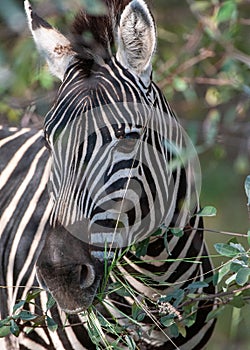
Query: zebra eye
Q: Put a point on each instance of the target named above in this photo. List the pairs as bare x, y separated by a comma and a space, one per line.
127, 142
120, 133
132, 135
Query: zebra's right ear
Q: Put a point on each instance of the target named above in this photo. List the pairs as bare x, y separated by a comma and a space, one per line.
136, 39
54, 46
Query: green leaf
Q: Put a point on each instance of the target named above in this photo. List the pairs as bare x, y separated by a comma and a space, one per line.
190, 320
214, 313
227, 11
15, 317
242, 276
5, 321
39, 321
174, 330
226, 250
182, 329
236, 264
18, 305
158, 232
141, 248
32, 295
207, 211
223, 271
28, 330
190, 313
197, 285
26, 316
4, 331
165, 298
178, 295
52, 325
50, 302
238, 246
230, 279
177, 232
246, 293
14, 329
179, 84
193, 295
137, 313
215, 279
168, 320
237, 301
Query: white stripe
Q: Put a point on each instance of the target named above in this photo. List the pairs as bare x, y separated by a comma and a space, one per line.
30, 344
69, 331
54, 338
14, 136
33, 248
6, 173
8, 213
197, 338
28, 214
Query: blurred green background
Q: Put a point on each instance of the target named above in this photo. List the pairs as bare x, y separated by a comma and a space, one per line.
202, 65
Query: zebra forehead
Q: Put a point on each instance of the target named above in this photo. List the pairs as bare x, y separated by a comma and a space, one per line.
109, 84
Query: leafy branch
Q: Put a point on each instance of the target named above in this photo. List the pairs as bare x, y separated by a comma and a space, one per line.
176, 311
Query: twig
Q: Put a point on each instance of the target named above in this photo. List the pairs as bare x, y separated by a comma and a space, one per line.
226, 233
215, 296
204, 54
198, 80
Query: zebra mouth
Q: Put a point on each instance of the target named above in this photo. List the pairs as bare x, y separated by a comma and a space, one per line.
68, 271
70, 298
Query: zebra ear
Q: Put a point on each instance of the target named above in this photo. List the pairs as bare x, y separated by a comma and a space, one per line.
136, 39
54, 46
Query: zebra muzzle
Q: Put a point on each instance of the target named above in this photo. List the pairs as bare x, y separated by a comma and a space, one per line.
66, 269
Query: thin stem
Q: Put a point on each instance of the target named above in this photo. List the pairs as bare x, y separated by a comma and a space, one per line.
215, 296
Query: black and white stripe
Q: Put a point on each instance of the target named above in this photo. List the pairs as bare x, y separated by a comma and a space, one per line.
25, 199
116, 156
119, 166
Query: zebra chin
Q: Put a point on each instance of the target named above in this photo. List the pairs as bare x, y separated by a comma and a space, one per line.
66, 269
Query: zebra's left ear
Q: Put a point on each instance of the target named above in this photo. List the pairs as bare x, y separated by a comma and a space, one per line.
54, 46
136, 39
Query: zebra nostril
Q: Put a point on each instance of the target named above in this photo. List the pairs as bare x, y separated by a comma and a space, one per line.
87, 275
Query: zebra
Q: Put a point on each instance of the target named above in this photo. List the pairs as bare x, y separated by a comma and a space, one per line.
115, 172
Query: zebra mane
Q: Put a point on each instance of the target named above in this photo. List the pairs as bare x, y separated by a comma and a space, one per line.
95, 35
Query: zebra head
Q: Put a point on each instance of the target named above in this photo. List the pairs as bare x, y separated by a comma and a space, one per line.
114, 144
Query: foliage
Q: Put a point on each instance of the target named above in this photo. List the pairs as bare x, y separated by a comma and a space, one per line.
210, 64
22, 320
204, 59
175, 311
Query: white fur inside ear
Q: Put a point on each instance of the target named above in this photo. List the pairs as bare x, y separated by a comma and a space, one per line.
54, 46
136, 38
